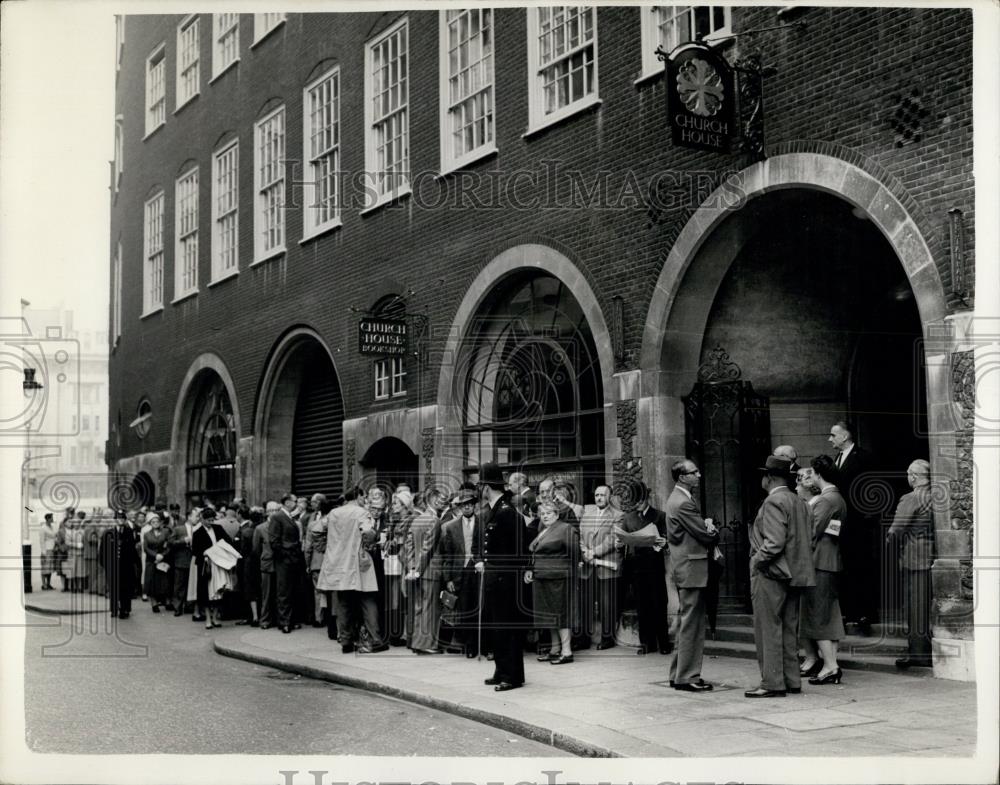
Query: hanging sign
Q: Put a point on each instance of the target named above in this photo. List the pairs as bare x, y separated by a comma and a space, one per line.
701, 98
383, 336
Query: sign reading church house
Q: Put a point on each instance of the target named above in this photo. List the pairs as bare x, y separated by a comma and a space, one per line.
382, 336
701, 98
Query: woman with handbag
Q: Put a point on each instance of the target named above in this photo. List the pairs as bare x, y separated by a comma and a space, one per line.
205, 534
401, 515
555, 553
156, 575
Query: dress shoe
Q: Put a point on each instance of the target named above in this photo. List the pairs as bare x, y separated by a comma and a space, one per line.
197, 618
123, 615
504, 686
156, 609
760, 692
793, 690
489, 657
216, 624
375, 649
641, 651
178, 612
546, 657
831, 678
562, 659
266, 626
397, 641
254, 623
492, 680
347, 648
693, 687
318, 624
864, 626
666, 649
426, 651
913, 662
812, 670
242, 623
606, 645
580, 645
287, 628
470, 654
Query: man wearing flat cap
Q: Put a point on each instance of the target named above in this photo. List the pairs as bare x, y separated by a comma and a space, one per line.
781, 565
461, 546
503, 563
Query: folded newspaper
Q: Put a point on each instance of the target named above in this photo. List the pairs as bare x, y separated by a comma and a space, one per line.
645, 537
223, 555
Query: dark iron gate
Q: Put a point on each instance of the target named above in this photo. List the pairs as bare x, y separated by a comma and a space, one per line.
728, 434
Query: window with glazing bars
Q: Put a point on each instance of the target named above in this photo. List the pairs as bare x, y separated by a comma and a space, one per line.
227, 41
116, 293
265, 23
156, 93
566, 55
389, 96
153, 269
188, 68
469, 43
322, 107
270, 168
186, 253
398, 376
381, 379
225, 214
678, 24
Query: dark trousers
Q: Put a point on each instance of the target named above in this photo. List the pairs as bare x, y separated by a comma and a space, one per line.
650, 590
355, 608
508, 655
288, 581
180, 587
602, 593
860, 587
267, 614
775, 632
918, 613
119, 595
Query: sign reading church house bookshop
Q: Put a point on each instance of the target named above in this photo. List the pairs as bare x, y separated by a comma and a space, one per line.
382, 336
701, 98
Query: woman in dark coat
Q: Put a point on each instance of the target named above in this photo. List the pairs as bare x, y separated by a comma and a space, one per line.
555, 553
206, 533
156, 545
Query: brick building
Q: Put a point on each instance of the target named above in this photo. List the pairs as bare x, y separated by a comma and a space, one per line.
492, 201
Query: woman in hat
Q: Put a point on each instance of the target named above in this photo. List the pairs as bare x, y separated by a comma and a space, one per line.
555, 553
155, 580
204, 535
401, 515
47, 533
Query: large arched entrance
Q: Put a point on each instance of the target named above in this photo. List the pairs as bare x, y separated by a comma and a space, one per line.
299, 420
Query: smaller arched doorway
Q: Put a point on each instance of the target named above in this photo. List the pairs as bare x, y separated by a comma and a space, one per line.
389, 462
143, 491
210, 472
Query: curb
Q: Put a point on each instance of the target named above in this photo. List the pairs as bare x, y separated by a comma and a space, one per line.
60, 612
295, 664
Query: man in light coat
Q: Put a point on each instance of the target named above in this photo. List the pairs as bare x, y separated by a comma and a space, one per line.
423, 559
348, 572
599, 581
691, 539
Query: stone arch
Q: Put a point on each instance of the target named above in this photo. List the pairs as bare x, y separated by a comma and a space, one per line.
202, 366
527, 256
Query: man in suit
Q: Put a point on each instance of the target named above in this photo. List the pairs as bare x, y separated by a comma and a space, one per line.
781, 564
286, 549
599, 582
179, 553
424, 575
646, 569
858, 538
691, 539
262, 553
913, 528
460, 548
502, 565
117, 554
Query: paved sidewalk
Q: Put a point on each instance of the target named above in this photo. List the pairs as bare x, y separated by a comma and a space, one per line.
613, 703
56, 602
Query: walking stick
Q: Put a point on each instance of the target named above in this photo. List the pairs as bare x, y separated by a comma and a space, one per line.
479, 622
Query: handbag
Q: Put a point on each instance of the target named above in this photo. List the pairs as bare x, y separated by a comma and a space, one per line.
364, 560
833, 528
448, 599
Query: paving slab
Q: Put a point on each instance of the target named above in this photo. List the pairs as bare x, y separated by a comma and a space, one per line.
814, 719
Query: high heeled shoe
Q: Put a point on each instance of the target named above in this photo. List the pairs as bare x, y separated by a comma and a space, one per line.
830, 678
812, 670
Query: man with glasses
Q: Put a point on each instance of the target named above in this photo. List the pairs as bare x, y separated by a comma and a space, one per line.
691, 539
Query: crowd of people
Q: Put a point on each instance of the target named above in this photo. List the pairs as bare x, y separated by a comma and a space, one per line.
497, 568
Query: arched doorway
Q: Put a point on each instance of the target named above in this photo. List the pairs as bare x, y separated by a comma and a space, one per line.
142, 492
531, 384
299, 421
210, 470
389, 462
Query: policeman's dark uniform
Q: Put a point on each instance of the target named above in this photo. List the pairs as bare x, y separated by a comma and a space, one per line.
118, 555
503, 612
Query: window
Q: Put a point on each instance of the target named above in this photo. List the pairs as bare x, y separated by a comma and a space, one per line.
226, 41
152, 272
116, 296
86, 423
265, 23
74, 424
97, 422
225, 211
390, 378
156, 90
466, 86
562, 61
321, 112
119, 41
73, 456
188, 70
670, 26
119, 162
387, 153
269, 184
186, 227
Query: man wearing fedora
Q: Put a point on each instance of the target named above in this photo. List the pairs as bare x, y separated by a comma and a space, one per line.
460, 549
502, 565
781, 564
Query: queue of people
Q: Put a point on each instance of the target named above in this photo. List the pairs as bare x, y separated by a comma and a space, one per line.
498, 568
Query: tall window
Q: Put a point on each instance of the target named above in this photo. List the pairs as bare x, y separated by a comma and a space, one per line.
562, 58
119, 162
225, 41
466, 85
156, 89
671, 26
119, 41
265, 23
225, 211
188, 68
116, 295
390, 378
186, 224
387, 147
211, 452
269, 184
321, 113
152, 273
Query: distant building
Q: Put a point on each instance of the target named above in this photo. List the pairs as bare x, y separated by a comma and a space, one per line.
394, 245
